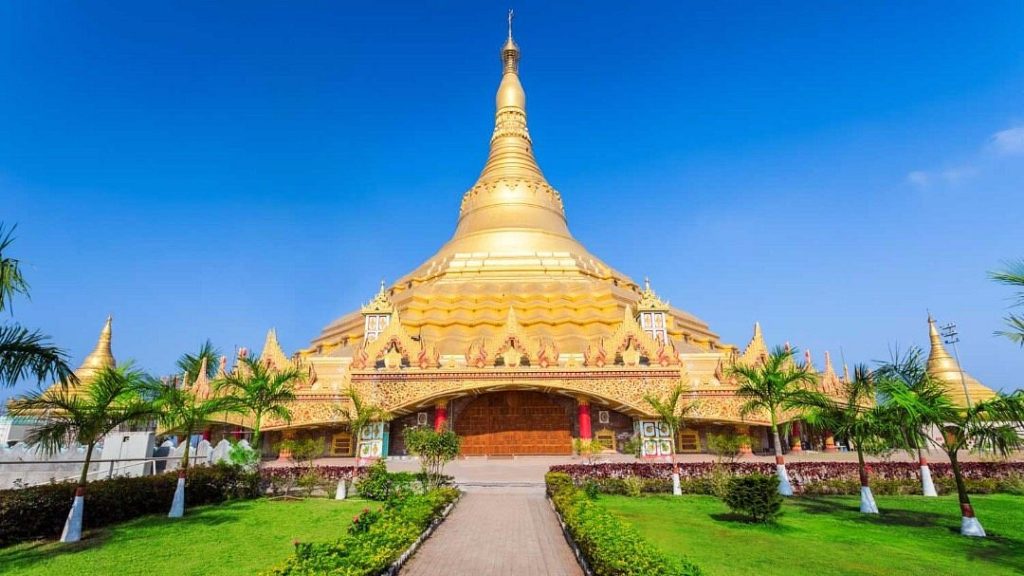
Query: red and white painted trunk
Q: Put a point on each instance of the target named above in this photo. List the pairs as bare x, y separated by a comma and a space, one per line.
927, 486
178, 504
342, 491
867, 499
785, 488
73, 526
969, 525
676, 488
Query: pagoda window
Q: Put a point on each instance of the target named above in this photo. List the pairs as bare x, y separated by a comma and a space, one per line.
655, 325
374, 325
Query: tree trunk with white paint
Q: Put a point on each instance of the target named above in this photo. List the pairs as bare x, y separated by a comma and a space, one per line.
342, 491
927, 485
785, 488
178, 503
73, 526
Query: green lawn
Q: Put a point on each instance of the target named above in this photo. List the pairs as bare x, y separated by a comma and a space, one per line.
829, 536
243, 537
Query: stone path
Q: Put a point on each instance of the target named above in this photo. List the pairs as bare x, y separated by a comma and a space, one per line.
497, 532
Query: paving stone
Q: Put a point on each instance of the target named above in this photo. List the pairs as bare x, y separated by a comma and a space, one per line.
496, 532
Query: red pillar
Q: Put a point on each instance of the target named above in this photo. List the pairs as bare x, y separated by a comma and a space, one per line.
584, 418
440, 415
795, 441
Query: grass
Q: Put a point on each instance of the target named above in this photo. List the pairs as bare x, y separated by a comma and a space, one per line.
829, 536
242, 537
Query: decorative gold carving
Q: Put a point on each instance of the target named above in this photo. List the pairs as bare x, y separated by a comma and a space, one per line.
396, 347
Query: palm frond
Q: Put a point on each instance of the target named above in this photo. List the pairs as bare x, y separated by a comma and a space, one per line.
1016, 331
11, 280
25, 353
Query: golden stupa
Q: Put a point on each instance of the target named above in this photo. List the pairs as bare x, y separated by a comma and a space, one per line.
516, 336
961, 387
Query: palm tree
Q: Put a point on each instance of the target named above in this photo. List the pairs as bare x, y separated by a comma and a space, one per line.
260, 391
191, 365
989, 425
24, 352
908, 371
774, 385
182, 410
114, 396
1013, 276
856, 416
673, 416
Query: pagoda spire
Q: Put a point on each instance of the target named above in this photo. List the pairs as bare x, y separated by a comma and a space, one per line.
101, 356
511, 192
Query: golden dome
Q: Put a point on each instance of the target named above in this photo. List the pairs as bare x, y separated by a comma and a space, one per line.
512, 249
945, 369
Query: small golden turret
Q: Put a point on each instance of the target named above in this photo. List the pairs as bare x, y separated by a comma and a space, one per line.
962, 388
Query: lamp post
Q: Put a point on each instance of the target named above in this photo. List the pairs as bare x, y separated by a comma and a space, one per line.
951, 336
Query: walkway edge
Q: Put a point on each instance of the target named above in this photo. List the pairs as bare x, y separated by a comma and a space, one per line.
396, 566
580, 558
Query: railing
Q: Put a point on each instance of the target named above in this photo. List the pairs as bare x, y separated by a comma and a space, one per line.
147, 464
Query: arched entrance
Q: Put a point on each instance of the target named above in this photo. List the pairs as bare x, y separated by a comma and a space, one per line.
515, 422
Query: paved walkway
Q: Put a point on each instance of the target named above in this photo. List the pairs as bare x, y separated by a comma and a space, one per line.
496, 532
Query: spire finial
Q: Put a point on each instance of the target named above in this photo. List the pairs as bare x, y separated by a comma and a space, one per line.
511, 15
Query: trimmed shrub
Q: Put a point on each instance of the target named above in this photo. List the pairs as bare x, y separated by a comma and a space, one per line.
818, 478
557, 481
756, 496
376, 539
379, 484
39, 512
611, 547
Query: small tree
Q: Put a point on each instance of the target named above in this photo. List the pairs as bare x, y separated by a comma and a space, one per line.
991, 425
774, 385
755, 495
182, 410
260, 391
434, 449
726, 447
855, 416
303, 453
673, 416
114, 396
910, 372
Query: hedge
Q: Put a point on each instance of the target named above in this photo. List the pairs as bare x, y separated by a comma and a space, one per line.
610, 546
376, 539
887, 478
39, 512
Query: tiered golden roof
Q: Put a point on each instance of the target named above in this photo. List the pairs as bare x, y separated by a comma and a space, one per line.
945, 369
512, 249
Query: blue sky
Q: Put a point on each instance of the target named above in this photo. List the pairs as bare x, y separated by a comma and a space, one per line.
215, 169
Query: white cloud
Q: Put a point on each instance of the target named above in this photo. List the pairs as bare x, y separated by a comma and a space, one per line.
1009, 141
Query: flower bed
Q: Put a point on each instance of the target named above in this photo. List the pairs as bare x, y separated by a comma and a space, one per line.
375, 539
39, 512
610, 546
807, 477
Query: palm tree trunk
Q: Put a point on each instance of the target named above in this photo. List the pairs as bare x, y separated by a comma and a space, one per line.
256, 440
73, 525
178, 502
676, 488
785, 488
927, 485
867, 499
969, 524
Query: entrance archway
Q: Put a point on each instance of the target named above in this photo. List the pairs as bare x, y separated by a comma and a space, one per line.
514, 422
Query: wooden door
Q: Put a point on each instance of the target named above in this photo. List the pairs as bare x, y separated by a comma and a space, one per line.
514, 422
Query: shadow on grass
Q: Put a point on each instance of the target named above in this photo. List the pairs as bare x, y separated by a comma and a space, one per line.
25, 555
743, 521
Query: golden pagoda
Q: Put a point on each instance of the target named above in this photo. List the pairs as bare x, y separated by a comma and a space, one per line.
513, 334
962, 388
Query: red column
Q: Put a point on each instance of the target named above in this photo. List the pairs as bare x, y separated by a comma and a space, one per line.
440, 415
584, 418
795, 441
